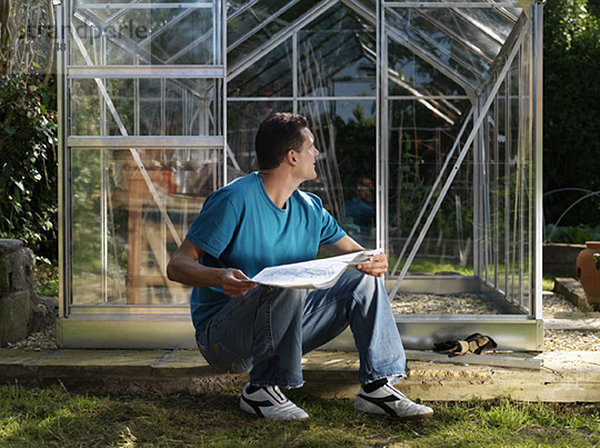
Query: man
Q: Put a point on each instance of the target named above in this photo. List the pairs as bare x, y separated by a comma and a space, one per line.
262, 220
359, 210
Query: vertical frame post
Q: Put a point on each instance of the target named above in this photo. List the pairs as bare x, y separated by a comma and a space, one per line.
64, 234
381, 156
222, 37
537, 46
295, 72
476, 197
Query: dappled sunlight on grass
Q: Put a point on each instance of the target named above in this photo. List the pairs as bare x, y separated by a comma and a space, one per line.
53, 416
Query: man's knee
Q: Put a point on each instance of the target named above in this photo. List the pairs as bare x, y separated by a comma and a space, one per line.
364, 280
367, 287
287, 298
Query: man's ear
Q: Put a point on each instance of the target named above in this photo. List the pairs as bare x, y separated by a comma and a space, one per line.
291, 157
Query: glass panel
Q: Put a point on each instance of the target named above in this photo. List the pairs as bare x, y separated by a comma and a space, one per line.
235, 7
419, 145
486, 2
133, 33
144, 106
345, 137
265, 34
514, 182
124, 232
269, 76
526, 152
252, 17
407, 72
335, 56
425, 38
471, 36
490, 21
511, 201
501, 199
243, 120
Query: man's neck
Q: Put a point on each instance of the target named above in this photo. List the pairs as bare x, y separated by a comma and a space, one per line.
279, 186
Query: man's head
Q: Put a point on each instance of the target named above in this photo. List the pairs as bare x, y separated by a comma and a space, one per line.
276, 136
364, 189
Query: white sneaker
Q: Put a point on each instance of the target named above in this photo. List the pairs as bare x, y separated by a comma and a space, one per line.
269, 402
388, 400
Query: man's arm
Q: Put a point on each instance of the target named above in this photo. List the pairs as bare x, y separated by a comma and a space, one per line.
184, 268
377, 265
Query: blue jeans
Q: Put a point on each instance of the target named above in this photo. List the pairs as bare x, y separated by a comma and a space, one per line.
268, 330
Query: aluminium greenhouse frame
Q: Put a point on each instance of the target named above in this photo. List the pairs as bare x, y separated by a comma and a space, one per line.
520, 327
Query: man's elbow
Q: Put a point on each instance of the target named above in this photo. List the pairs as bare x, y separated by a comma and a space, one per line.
171, 271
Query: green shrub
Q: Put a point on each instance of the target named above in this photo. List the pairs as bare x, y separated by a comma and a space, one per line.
571, 234
571, 108
28, 163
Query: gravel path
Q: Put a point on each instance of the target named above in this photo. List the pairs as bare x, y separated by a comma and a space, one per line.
42, 340
554, 340
440, 304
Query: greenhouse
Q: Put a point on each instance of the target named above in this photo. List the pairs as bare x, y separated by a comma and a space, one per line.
427, 116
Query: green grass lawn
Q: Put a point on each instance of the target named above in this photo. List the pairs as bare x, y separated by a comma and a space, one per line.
55, 417
432, 266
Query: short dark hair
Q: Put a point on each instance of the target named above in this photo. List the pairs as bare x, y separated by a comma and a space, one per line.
276, 136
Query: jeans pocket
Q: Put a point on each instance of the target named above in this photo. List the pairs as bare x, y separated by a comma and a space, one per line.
223, 359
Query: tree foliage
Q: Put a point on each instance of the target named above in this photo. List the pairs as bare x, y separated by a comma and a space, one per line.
28, 163
28, 158
571, 108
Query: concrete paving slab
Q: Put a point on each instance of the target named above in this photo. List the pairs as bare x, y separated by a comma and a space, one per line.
104, 358
583, 362
181, 359
18, 357
564, 376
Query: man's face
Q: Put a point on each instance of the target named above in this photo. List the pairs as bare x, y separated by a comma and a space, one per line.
364, 190
306, 156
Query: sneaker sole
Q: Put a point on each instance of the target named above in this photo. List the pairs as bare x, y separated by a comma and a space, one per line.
247, 408
365, 406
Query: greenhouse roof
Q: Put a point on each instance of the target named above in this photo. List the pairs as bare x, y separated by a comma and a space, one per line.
460, 40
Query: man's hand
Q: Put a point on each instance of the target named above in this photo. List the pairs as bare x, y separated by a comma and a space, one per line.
377, 265
235, 283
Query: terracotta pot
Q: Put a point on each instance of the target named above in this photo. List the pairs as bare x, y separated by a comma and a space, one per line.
588, 271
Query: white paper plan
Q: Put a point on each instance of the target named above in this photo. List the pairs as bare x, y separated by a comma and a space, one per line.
317, 274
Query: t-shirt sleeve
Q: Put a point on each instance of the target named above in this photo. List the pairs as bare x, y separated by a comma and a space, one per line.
214, 227
331, 232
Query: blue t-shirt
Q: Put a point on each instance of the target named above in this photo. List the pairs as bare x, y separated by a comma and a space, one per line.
240, 227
